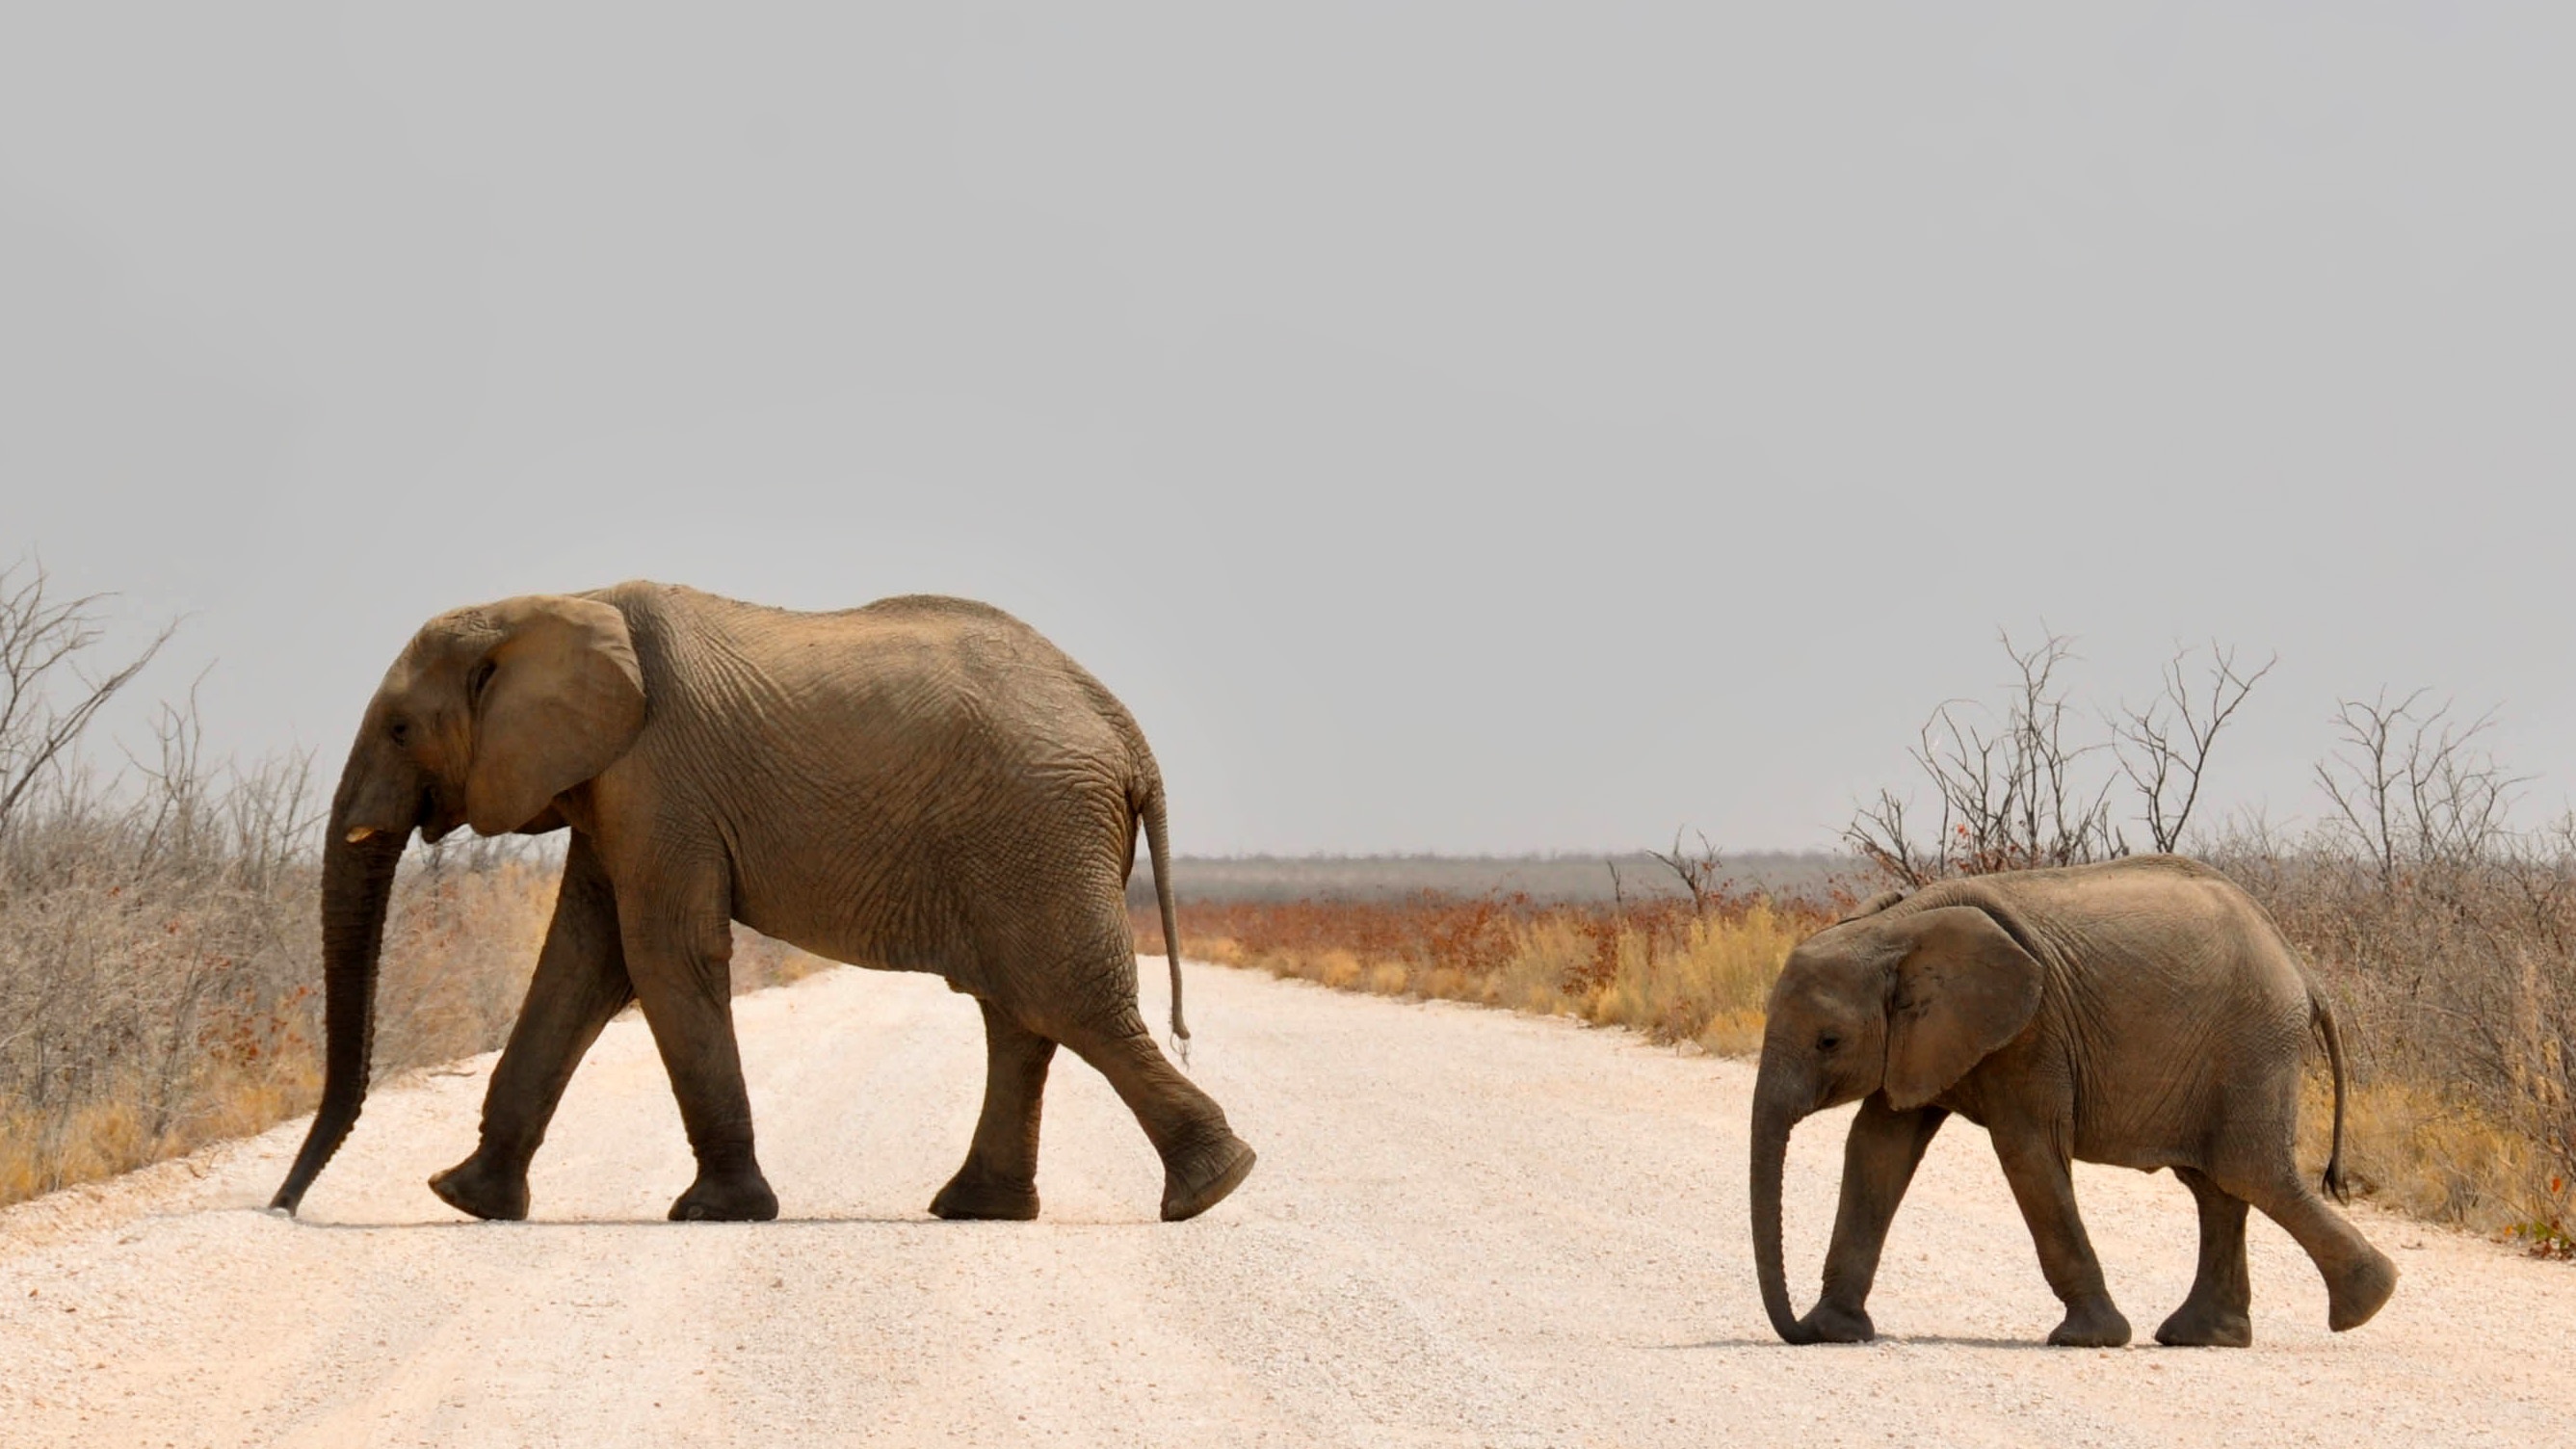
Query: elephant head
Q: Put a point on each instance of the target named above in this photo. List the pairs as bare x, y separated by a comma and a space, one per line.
1903, 1004
488, 714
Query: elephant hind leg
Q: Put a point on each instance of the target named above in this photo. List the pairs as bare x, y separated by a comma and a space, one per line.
2218, 1313
1202, 1158
999, 1178
2359, 1278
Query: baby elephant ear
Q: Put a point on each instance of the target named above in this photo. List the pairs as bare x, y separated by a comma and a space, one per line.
1963, 988
557, 699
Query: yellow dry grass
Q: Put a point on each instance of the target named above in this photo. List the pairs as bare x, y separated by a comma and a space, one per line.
1671, 975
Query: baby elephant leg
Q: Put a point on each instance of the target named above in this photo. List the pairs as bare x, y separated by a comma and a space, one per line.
2359, 1278
1879, 1158
2043, 1185
2218, 1314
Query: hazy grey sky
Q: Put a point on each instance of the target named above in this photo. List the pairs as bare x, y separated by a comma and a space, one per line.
1469, 426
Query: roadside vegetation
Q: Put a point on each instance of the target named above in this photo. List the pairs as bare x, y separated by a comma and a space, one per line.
1676, 971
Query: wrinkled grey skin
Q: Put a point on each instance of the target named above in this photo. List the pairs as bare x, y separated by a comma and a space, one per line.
923, 784
2144, 1013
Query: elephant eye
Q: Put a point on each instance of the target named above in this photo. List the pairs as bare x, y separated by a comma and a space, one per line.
1828, 1041
401, 731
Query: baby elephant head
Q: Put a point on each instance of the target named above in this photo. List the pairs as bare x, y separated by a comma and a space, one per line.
488, 714
1898, 1002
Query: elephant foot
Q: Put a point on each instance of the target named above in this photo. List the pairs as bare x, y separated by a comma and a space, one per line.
735, 1197
2357, 1294
1195, 1182
476, 1187
1833, 1323
970, 1199
2091, 1323
2196, 1325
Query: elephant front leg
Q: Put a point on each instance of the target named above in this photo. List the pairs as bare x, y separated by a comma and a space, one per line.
1879, 1158
580, 982
679, 952
2219, 1312
2045, 1187
1000, 1179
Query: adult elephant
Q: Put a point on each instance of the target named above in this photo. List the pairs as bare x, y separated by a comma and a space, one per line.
2144, 1013
923, 784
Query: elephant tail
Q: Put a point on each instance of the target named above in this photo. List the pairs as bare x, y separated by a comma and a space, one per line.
2322, 1016
1149, 804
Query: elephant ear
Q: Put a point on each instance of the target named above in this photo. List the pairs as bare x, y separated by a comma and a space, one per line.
1963, 988
556, 700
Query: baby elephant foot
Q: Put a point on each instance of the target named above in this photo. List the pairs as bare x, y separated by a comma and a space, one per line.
2355, 1295
476, 1186
973, 1198
741, 1196
2196, 1325
1193, 1182
1835, 1323
2091, 1323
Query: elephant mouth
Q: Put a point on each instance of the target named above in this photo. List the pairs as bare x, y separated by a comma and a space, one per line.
438, 816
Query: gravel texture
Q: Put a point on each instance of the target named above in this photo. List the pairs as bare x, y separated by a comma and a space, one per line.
1467, 1228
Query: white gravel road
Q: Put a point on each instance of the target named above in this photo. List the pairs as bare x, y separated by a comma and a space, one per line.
1467, 1228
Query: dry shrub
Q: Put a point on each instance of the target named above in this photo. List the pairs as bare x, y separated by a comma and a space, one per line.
160, 971
2456, 984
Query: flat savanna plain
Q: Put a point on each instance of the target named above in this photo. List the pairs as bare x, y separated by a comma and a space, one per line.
1468, 1227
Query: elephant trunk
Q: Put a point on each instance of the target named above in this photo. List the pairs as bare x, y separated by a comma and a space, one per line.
357, 885
1772, 1119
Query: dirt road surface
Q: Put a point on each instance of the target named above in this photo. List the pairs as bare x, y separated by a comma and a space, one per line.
1467, 1228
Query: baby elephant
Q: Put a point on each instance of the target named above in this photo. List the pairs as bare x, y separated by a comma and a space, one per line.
2145, 1013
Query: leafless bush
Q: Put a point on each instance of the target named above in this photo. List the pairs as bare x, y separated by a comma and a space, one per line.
2017, 791
48, 694
2164, 747
1700, 871
2415, 787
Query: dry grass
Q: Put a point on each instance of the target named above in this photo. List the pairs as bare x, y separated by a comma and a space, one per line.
161, 992
1660, 968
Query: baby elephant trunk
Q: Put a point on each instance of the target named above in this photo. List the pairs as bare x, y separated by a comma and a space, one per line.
1772, 1119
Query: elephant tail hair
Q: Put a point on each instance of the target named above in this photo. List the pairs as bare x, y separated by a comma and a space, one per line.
2321, 1014
1148, 803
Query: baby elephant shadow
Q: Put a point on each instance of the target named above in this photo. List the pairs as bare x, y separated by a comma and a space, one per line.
1768, 1341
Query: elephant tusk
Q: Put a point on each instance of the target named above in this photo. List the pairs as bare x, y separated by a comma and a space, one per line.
359, 834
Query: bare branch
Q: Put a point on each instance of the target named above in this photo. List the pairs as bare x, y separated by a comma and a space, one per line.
1697, 871
2164, 748
44, 648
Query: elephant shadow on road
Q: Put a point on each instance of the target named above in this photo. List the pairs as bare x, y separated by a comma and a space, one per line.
542, 1225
